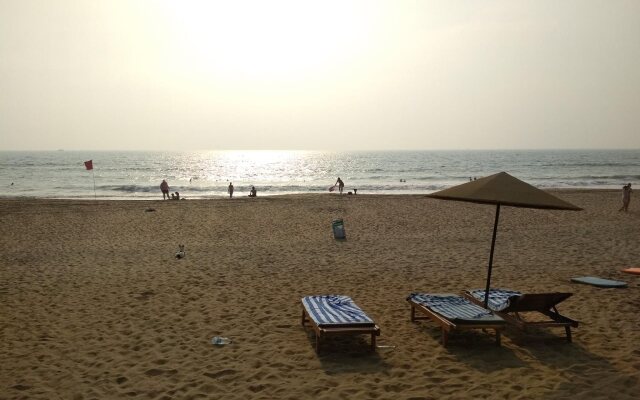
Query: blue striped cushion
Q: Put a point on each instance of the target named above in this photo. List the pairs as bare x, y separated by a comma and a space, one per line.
451, 306
498, 298
335, 310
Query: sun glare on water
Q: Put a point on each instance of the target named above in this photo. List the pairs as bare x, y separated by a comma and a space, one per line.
269, 165
258, 158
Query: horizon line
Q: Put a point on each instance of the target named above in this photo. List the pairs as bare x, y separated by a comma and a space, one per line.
327, 151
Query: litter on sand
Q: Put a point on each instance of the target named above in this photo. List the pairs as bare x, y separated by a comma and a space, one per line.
220, 341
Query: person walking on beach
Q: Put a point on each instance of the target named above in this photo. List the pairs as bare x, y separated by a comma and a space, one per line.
626, 197
230, 190
164, 187
340, 185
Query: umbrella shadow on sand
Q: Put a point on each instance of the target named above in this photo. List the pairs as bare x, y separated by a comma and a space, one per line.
475, 348
582, 373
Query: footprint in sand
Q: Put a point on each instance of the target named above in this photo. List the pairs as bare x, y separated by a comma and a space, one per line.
219, 374
145, 295
158, 372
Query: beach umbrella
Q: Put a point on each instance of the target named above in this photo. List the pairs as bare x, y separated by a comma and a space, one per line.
502, 189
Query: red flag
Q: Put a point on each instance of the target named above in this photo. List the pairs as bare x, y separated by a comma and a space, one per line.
88, 164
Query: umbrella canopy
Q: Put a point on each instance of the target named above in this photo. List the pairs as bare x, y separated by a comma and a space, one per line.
506, 190
502, 189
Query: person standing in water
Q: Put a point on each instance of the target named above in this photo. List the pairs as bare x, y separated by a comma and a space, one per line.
340, 185
230, 190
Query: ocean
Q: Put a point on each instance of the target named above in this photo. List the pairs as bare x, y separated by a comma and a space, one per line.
206, 174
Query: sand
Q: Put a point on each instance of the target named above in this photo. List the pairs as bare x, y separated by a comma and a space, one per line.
94, 305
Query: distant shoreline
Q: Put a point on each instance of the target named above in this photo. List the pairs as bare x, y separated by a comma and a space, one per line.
275, 196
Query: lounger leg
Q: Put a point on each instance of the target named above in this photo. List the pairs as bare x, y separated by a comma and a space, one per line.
568, 330
444, 338
317, 343
413, 314
373, 341
498, 337
303, 318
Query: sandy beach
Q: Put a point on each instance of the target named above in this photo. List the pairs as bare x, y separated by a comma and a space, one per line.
94, 305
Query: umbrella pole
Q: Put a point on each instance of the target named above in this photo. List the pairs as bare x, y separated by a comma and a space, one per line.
493, 244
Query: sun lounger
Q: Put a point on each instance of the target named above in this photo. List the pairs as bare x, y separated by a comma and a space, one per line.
337, 315
452, 313
510, 305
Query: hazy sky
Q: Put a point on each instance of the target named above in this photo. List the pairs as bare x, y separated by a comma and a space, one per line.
154, 75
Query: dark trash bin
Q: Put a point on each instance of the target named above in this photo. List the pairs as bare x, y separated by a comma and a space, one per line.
338, 229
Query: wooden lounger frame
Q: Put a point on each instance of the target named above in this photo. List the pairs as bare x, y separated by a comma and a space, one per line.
448, 325
543, 303
341, 329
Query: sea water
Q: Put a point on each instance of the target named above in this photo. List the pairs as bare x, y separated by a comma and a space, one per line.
206, 174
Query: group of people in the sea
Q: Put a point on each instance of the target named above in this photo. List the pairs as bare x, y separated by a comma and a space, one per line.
164, 188
252, 193
340, 186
